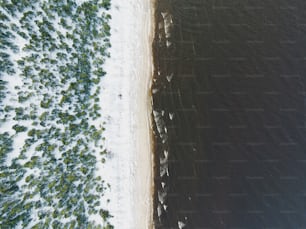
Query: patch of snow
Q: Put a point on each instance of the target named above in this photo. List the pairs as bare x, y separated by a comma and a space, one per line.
181, 225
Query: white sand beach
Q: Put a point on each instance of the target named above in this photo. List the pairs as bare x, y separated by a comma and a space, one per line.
126, 108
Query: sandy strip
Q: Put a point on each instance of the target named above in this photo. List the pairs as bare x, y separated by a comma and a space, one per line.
126, 108
144, 168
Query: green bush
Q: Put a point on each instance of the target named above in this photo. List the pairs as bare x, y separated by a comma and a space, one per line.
19, 128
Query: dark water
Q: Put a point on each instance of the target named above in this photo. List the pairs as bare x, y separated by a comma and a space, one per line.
233, 79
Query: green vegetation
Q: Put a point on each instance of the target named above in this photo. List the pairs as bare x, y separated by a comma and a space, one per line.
56, 49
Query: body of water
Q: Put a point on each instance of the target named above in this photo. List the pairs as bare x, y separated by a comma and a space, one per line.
229, 109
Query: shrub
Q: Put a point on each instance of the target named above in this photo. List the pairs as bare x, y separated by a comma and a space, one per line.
19, 128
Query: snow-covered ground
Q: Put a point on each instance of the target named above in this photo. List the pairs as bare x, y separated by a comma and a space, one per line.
50, 125
126, 108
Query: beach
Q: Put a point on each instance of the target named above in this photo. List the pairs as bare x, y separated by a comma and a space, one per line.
126, 108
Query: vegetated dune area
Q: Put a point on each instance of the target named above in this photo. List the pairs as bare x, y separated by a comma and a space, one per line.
75, 128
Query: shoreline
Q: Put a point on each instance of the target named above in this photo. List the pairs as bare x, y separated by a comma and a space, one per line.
144, 194
126, 110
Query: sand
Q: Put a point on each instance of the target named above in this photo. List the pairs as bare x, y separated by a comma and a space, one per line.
126, 108
144, 168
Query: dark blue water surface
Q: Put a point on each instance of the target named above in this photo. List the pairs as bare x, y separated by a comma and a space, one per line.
229, 101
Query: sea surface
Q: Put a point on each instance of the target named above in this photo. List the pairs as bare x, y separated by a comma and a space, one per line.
229, 108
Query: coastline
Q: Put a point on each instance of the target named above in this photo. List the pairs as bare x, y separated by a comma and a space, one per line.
126, 111
145, 183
